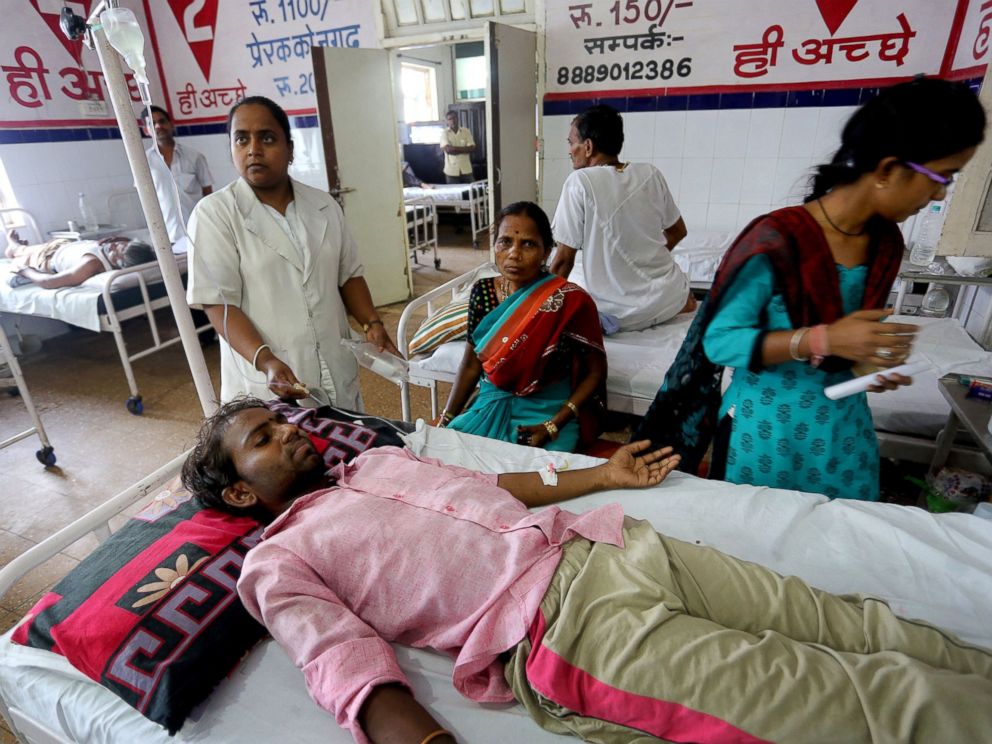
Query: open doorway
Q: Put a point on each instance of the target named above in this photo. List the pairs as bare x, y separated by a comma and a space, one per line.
364, 96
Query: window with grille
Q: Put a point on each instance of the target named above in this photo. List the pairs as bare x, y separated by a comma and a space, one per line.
409, 17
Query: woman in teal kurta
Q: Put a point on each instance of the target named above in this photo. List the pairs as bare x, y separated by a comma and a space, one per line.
785, 432
799, 300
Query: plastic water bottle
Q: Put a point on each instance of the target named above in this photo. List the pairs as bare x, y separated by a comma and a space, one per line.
925, 248
393, 368
935, 302
86, 212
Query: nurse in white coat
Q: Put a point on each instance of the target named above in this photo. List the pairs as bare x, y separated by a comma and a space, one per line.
275, 258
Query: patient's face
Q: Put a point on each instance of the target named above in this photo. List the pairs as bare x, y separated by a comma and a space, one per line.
520, 251
578, 149
274, 459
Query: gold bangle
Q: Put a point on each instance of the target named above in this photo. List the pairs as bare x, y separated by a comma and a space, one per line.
552, 428
573, 408
436, 734
366, 326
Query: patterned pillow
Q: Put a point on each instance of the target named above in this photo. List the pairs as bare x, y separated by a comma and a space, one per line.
450, 323
153, 613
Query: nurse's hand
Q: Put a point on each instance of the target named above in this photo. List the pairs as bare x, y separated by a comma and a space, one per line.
377, 335
889, 381
281, 380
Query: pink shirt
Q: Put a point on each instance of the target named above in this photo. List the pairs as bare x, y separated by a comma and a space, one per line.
408, 551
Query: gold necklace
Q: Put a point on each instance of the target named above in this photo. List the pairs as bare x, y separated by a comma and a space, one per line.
503, 287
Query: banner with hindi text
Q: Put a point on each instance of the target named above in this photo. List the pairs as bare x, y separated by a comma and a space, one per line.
611, 47
49, 81
211, 59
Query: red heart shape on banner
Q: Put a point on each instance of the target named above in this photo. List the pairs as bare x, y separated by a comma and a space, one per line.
834, 12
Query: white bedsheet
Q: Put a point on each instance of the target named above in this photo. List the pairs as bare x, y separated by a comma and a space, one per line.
441, 193
75, 305
638, 362
932, 567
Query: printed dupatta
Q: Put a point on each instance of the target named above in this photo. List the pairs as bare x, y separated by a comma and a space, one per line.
516, 340
684, 412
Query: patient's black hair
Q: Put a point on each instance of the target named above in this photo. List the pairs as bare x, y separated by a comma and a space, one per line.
137, 252
921, 120
274, 108
604, 126
209, 468
529, 209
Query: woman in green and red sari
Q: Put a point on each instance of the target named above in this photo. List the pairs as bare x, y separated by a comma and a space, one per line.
534, 346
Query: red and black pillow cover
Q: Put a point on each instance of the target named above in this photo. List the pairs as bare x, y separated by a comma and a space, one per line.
153, 614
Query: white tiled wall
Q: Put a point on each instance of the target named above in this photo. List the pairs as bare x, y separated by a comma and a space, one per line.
47, 177
724, 167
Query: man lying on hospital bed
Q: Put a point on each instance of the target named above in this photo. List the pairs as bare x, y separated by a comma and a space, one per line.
69, 263
597, 624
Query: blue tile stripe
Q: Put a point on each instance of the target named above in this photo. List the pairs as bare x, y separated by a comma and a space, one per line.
723, 101
82, 134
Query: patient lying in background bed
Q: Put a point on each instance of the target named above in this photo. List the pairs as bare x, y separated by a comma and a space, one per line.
69, 263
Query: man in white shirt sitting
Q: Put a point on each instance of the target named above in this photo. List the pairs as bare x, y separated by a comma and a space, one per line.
616, 224
170, 161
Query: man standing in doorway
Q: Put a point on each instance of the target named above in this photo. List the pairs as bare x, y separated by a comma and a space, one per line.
457, 144
180, 163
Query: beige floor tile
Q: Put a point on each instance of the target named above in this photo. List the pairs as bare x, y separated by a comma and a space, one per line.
29, 589
5, 736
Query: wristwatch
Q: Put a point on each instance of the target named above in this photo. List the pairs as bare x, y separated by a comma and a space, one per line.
366, 326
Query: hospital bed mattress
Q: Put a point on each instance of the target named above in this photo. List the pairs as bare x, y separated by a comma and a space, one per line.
639, 360
936, 568
440, 193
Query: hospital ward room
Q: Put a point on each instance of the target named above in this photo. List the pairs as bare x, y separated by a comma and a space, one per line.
531, 371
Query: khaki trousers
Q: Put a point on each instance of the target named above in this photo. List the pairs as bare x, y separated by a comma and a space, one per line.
672, 641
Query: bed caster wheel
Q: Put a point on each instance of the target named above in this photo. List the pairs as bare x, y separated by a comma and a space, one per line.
14, 392
475, 244
46, 456
134, 405
437, 264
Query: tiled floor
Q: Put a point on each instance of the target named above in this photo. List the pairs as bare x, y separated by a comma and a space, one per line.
79, 388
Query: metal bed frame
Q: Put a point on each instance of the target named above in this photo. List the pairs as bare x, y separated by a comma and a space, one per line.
97, 522
421, 225
17, 386
476, 204
112, 317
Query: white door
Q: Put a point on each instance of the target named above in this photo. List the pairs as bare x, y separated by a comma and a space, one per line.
512, 111
358, 127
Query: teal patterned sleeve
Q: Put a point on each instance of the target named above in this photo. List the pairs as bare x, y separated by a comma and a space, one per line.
730, 336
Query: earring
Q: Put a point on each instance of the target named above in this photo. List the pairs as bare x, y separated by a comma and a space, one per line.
544, 267
881, 184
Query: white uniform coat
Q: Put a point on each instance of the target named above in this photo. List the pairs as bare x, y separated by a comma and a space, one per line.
241, 255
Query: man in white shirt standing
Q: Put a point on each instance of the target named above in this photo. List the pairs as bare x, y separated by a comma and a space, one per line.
457, 145
178, 162
615, 225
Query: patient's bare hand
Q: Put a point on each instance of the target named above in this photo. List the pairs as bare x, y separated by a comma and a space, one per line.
629, 468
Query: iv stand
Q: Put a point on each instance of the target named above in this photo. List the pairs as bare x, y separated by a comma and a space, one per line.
117, 87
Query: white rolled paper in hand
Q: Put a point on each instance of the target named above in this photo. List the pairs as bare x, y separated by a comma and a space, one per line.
861, 384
